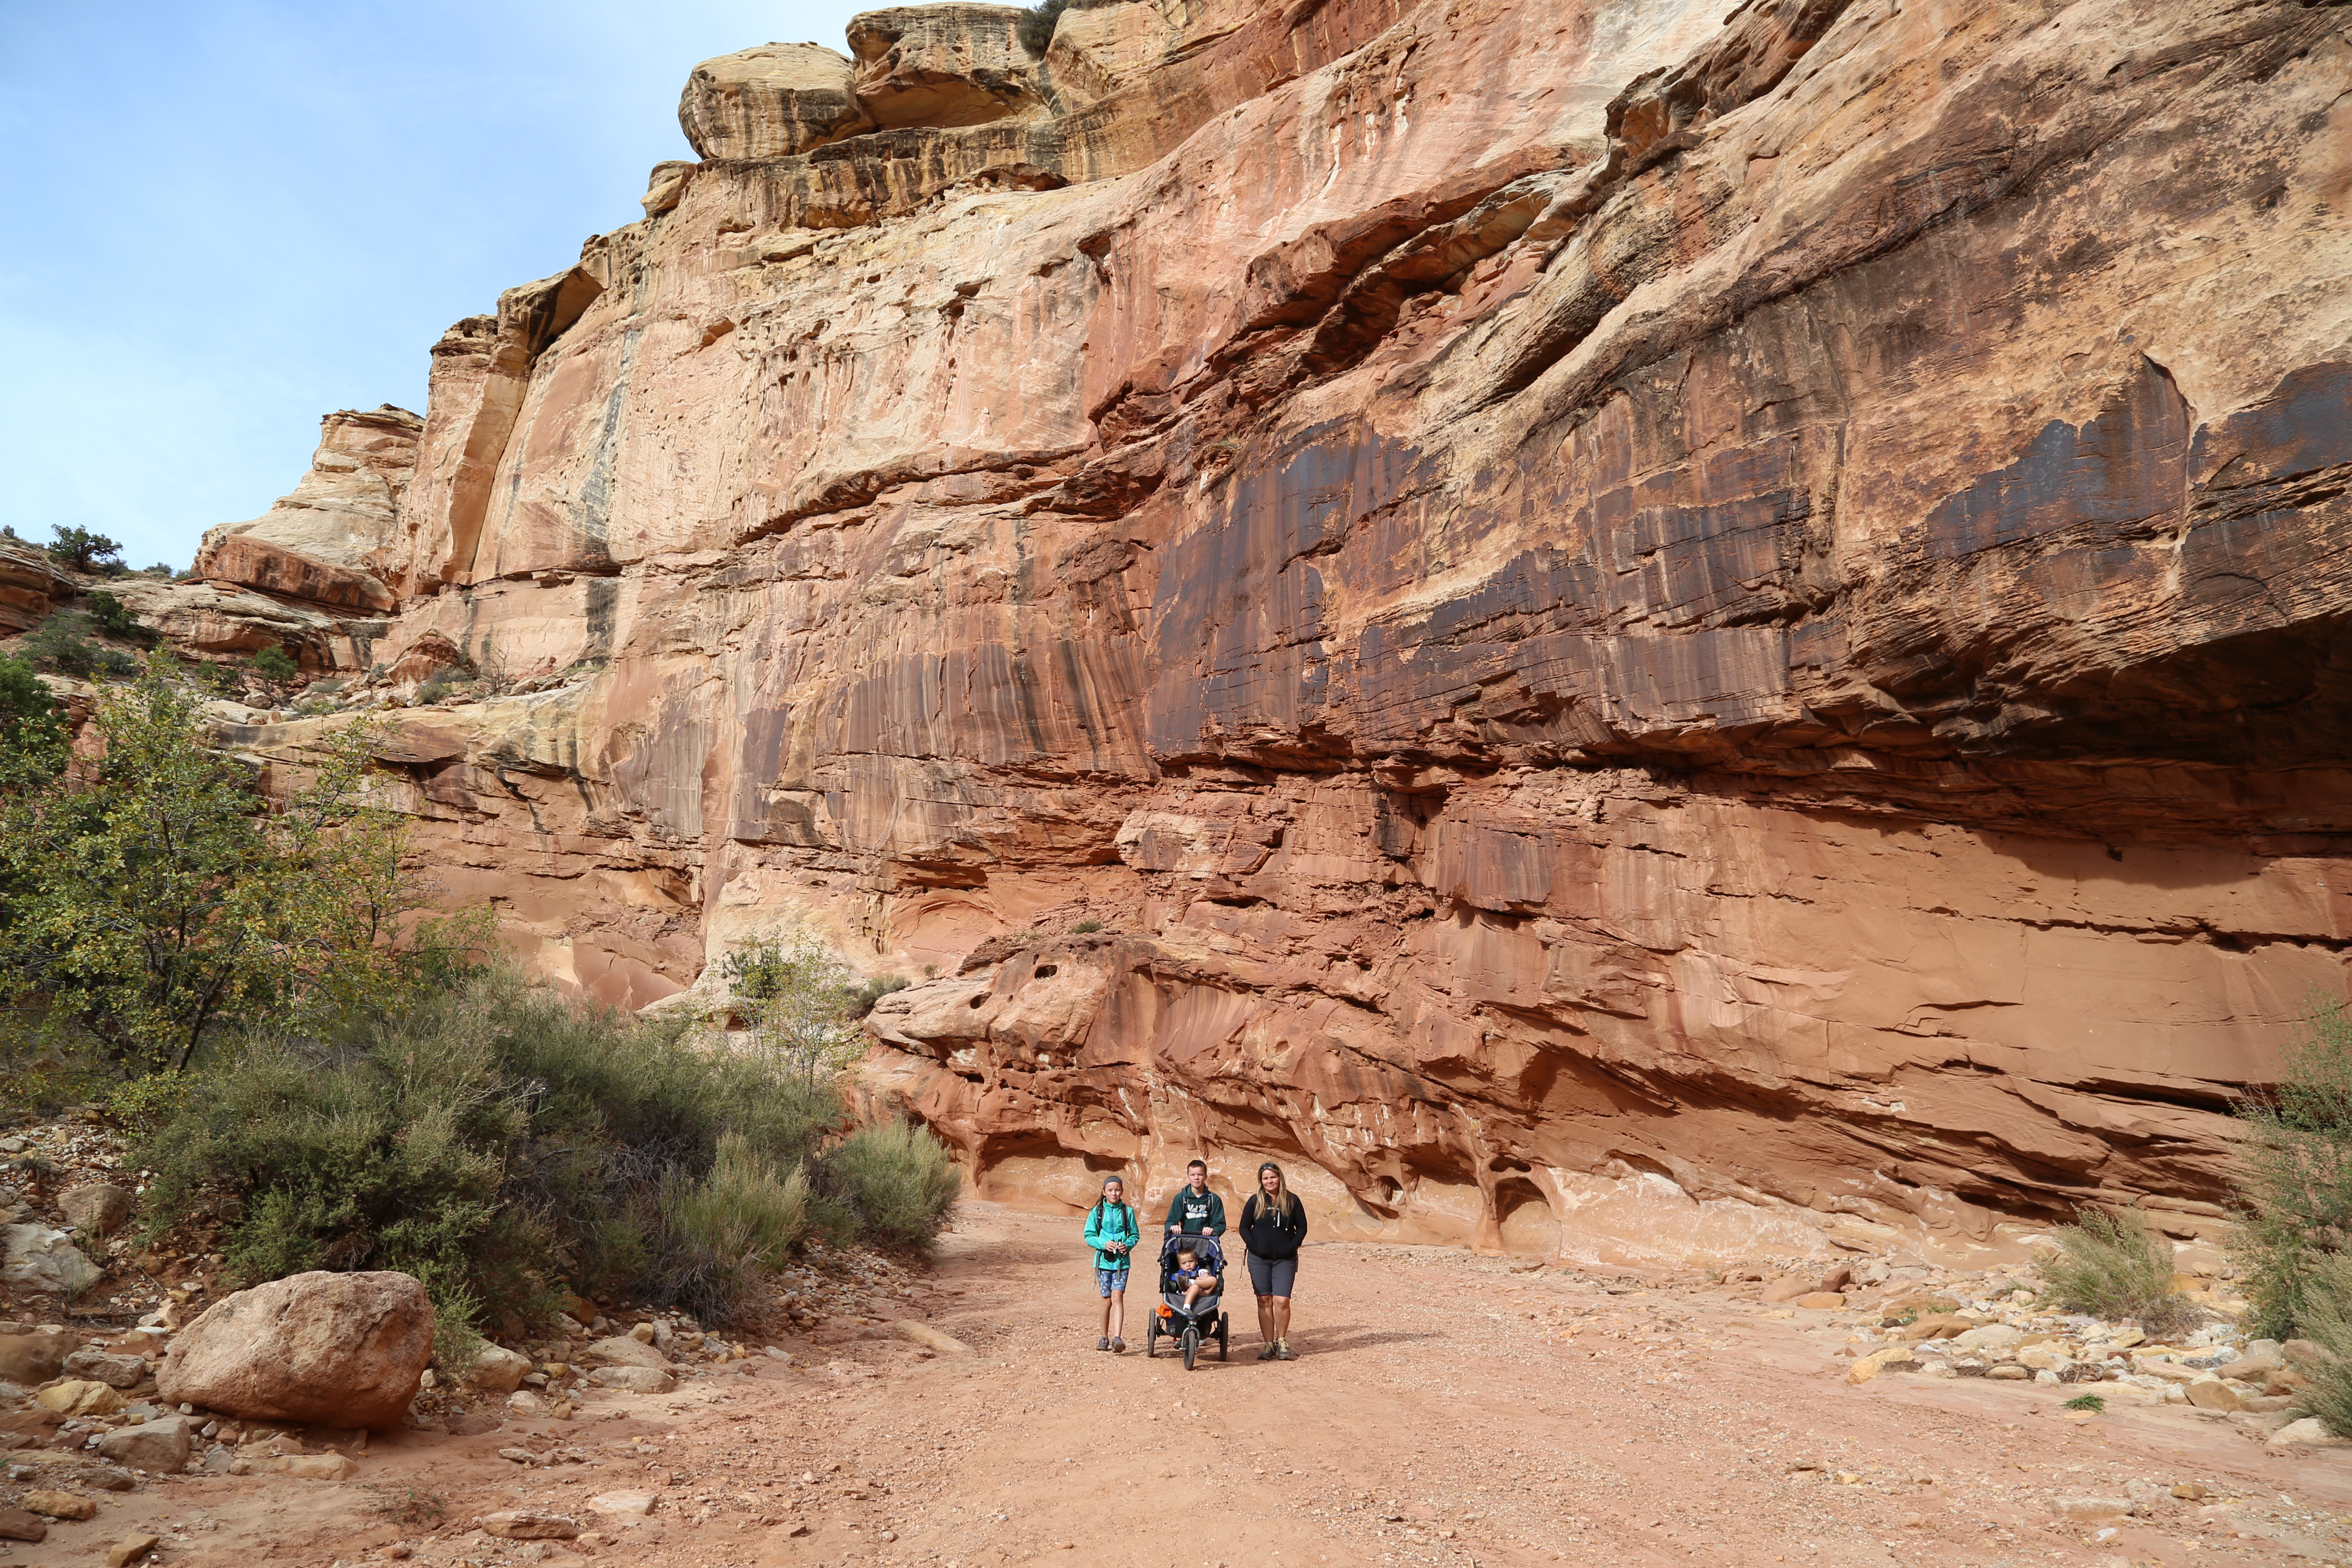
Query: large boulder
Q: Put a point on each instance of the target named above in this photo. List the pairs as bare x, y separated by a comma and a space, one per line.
36, 1258
770, 102
341, 1350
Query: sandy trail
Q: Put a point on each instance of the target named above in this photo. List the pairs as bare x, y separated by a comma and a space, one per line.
1441, 1412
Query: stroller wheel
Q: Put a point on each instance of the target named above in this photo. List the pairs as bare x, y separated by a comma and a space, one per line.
1150, 1338
1224, 1333
1191, 1347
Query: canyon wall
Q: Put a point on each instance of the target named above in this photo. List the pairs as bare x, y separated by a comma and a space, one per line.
1607, 628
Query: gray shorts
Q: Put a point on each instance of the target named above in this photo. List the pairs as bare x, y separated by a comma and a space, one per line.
1272, 1276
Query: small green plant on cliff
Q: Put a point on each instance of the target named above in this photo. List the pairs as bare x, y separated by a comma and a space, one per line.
2116, 1266
114, 619
2296, 1198
1086, 928
1035, 28
61, 643
273, 664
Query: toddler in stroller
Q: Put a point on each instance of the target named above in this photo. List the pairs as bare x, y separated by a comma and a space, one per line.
1192, 1292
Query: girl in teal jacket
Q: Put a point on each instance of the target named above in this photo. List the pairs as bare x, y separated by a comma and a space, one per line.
1112, 1232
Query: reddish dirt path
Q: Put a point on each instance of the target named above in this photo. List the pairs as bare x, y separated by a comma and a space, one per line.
1435, 1392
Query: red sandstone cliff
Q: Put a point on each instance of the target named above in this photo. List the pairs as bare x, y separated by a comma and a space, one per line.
1645, 628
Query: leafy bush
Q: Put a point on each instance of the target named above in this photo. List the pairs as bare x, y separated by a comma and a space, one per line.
897, 1180
114, 619
2297, 1196
1086, 928
2112, 1267
2090, 1402
152, 906
274, 665
81, 550
1035, 28
61, 643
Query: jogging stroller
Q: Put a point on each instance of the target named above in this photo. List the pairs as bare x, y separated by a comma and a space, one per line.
1206, 1320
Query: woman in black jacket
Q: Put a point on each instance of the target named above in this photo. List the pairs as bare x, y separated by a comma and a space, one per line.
1274, 1222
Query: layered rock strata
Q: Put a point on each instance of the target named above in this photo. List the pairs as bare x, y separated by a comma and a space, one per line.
1640, 629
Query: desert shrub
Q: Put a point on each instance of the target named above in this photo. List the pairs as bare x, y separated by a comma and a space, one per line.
440, 683
723, 1232
273, 664
2117, 1266
2325, 1304
2090, 1402
1035, 28
2297, 1195
863, 996
506, 1146
1086, 928
894, 1179
62, 643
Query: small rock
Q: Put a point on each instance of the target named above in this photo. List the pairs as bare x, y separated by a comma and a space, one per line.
80, 1398
519, 1456
157, 1447
2209, 1393
58, 1505
2085, 1510
1821, 1300
1938, 1326
636, 1379
2008, 1372
1991, 1337
523, 1402
1894, 1358
97, 1208
2310, 1432
35, 1258
622, 1502
642, 1333
130, 1550
114, 1371
473, 1423
622, 1351
498, 1370
522, 1525
2191, 1491
16, 1524
32, 1358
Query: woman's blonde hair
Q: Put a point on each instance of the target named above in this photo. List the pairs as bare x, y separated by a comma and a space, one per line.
1285, 1202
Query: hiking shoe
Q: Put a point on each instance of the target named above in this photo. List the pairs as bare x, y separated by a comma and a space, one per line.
1118, 1347
1282, 1351
1265, 1355
1102, 1345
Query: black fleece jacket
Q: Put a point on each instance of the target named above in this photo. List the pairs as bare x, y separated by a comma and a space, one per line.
1268, 1233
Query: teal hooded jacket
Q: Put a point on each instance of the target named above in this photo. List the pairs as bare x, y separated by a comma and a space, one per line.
1109, 1222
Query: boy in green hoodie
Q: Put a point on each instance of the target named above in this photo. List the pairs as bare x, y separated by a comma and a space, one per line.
1195, 1210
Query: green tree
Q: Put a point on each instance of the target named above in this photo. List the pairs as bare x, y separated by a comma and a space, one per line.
2298, 1188
155, 900
274, 665
83, 551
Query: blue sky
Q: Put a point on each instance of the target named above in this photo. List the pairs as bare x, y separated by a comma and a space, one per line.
228, 218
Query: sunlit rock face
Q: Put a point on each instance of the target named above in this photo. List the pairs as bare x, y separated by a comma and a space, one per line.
1650, 634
